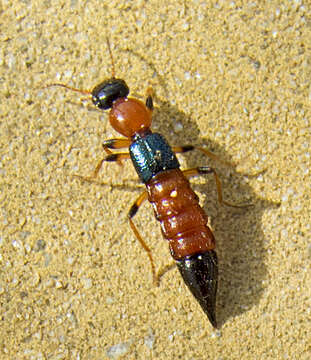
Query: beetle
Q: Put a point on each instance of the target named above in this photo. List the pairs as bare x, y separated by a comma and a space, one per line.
184, 223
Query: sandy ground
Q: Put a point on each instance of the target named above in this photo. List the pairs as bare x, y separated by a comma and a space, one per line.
231, 76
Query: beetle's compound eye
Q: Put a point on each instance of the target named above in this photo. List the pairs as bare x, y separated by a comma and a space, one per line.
104, 94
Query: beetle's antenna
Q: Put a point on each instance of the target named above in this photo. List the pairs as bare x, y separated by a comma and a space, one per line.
111, 58
80, 91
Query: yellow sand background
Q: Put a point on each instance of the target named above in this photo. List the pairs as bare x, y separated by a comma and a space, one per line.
233, 76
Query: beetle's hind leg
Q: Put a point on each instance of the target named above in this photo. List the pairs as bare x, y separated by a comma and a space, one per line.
133, 210
204, 170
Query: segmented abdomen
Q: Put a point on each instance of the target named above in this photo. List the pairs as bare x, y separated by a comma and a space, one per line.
183, 221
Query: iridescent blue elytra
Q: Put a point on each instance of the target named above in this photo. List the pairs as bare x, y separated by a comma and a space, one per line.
152, 154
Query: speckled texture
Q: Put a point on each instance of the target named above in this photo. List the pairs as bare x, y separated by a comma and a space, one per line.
234, 76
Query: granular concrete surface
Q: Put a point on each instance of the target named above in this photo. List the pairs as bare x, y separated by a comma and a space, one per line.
231, 76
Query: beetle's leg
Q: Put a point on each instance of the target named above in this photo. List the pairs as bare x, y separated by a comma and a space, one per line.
149, 101
107, 145
111, 144
112, 157
186, 148
114, 144
133, 210
204, 170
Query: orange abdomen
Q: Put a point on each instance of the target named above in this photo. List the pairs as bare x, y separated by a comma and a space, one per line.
183, 221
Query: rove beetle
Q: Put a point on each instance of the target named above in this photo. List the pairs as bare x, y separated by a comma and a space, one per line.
176, 206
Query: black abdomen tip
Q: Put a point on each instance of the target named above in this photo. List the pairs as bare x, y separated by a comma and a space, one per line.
200, 273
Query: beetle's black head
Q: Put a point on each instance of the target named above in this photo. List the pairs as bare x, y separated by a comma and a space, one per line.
104, 94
